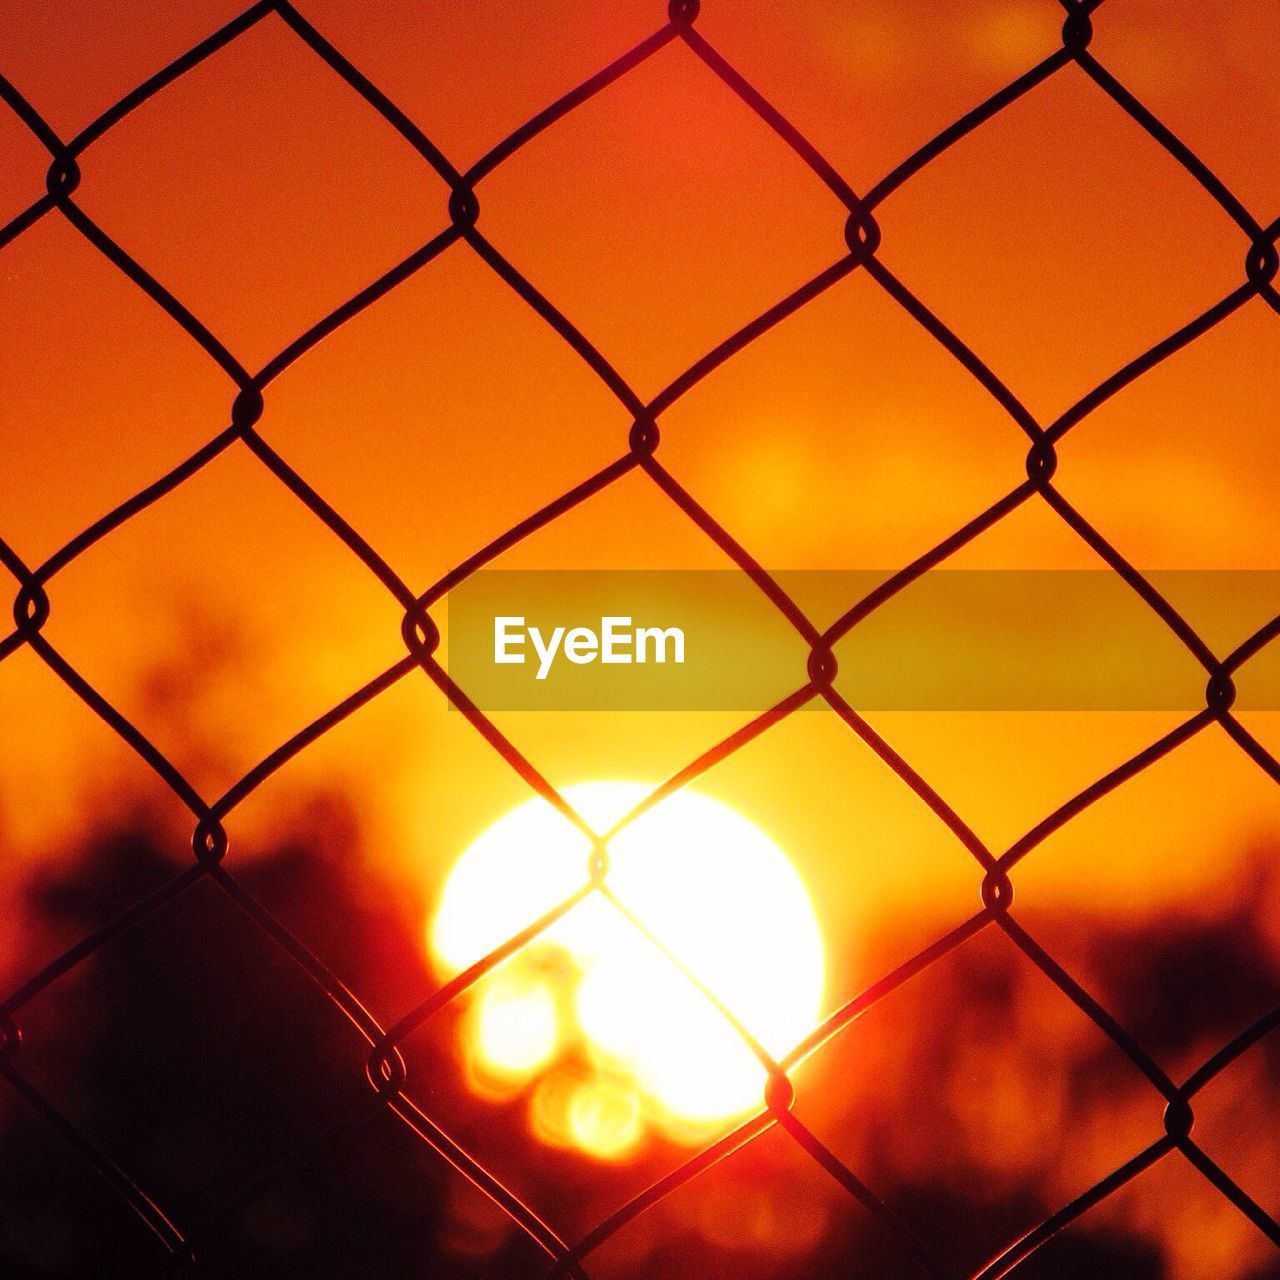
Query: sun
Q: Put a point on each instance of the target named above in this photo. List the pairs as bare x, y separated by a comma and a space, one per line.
596, 1021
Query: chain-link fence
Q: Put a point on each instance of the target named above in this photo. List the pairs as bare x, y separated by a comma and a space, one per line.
994, 869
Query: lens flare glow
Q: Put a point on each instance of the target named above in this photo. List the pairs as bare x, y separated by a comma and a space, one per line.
516, 1028
608, 1032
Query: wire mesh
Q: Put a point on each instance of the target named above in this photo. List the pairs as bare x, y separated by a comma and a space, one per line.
386, 1069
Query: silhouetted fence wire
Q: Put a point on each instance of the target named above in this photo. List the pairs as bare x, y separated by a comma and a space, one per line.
387, 1072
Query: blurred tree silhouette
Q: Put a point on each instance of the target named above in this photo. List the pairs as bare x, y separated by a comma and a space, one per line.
197, 1055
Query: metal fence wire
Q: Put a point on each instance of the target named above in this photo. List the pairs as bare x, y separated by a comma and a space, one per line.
994, 869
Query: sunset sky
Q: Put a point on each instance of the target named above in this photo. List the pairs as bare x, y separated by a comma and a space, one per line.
1059, 241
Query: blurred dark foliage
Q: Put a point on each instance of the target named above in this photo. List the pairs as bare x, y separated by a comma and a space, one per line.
198, 1055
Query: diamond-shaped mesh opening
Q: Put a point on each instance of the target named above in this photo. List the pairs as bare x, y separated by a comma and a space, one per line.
805, 442
1034, 295
203, 1131
1198, 75
208, 674
435, 444
1117, 465
527, 1128
1195, 964
977, 1124
60, 369
344, 197
863, 842
658, 255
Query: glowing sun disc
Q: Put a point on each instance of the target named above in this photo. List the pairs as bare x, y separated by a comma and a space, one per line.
703, 879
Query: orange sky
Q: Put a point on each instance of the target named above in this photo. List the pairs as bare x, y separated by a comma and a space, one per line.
1059, 241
